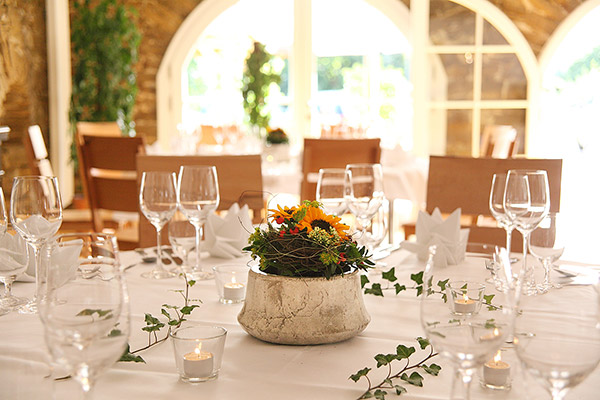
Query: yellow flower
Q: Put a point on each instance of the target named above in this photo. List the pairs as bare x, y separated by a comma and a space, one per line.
282, 213
315, 217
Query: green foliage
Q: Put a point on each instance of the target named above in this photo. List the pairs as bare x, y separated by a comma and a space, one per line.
104, 42
402, 353
583, 66
259, 74
277, 136
330, 71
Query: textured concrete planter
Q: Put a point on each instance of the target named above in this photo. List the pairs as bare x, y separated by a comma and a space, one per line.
302, 311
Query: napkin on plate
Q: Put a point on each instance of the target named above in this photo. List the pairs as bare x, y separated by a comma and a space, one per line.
449, 238
13, 255
224, 237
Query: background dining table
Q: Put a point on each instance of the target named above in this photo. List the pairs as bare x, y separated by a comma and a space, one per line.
253, 369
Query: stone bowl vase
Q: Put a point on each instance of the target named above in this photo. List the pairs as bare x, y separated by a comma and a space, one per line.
301, 311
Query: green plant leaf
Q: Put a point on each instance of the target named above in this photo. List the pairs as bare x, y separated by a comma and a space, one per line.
150, 320
127, 356
399, 288
384, 359
363, 372
414, 379
375, 290
423, 342
419, 290
399, 389
488, 298
433, 369
442, 284
187, 310
380, 394
404, 352
390, 275
363, 280
417, 278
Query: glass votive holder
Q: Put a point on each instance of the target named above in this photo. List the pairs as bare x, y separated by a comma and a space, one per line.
231, 281
198, 352
465, 297
495, 374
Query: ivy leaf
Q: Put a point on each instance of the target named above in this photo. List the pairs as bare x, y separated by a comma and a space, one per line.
175, 322
390, 275
187, 310
363, 280
414, 379
442, 284
444, 297
399, 389
85, 312
153, 328
150, 320
165, 313
127, 356
399, 288
417, 278
115, 333
384, 359
367, 395
419, 290
423, 342
404, 352
375, 290
380, 394
363, 372
464, 287
488, 298
191, 283
433, 369
490, 323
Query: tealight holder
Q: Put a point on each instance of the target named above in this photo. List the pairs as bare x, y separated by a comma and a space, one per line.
231, 281
465, 298
198, 352
495, 374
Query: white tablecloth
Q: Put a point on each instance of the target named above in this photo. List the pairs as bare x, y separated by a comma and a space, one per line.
251, 369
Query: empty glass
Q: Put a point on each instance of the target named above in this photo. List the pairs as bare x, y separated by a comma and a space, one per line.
546, 245
364, 193
84, 305
182, 236
331, 190
198, 196
36, 215
496, 205
13, 262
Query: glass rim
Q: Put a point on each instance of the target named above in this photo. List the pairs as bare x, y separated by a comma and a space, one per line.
527, 171
35, 177
478, 285
195, 166
222, 332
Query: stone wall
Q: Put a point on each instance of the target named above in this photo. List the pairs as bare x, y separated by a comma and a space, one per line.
23, 79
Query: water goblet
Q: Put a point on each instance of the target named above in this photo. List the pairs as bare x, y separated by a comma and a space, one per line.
36, 215
84, 305
546, 245
467, 339
14, 261
158, 202
182, 236
331, 190
364, 193
496, 204
198, 196
527, 202
557, 336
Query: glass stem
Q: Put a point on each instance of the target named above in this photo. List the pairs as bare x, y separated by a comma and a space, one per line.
546, 264
159, 263
198, 240
37, 256
509, 230
462, 382
528, 278
7, 289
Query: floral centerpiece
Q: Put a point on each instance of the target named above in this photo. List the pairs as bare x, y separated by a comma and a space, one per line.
306, 242
277, 136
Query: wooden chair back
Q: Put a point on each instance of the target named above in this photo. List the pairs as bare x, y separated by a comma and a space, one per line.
240, 181
464, 182
333, 153
108, 170
499, 141
98, 128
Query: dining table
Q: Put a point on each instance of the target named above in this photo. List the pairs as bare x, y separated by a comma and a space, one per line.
253, 369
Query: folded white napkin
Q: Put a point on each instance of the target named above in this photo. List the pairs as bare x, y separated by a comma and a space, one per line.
40, 227
449, 238
65, 261
13, 256
225, 237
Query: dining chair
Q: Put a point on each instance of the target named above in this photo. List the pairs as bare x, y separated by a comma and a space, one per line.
108, 172
37, 153
465, 182
333, 153
499, 141
239, 176
98, 128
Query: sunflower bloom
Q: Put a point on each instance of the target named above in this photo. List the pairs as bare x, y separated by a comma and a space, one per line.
316, 218
282, 213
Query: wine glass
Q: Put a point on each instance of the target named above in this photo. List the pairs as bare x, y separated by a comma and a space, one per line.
545, 244
557, 336
496, 205
331, 190
364, 193
14, 261
182, 236
467, 337
158, 202
84, 306
198, 196
527, 202
36, 215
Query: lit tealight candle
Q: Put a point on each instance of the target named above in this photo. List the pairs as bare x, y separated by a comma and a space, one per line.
496, 371
464, 305
198, 364
490, 336
234, 291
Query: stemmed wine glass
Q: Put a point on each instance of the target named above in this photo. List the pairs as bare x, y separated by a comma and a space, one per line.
198, 196
182, 236
158, 202
331, 190
496, 205
84, 305
557, 336
527, 202
36, 215
545, 244
470, 337
364, 193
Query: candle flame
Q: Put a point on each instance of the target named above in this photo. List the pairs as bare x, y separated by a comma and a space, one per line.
465, 297
233, 279
497, 357
496, 332
197, 349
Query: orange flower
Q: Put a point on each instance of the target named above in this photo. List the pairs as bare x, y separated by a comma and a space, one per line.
282, 213
315, 217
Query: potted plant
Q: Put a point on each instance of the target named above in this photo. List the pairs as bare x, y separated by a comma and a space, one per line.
306, 286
